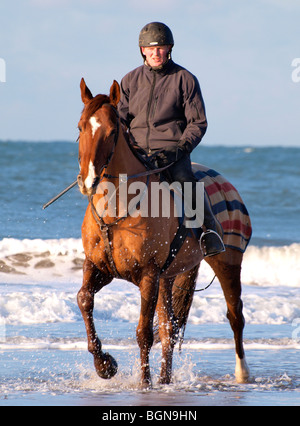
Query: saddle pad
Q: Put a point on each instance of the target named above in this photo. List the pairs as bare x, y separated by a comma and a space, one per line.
227, 206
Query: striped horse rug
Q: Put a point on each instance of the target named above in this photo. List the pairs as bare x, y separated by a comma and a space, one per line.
227, 206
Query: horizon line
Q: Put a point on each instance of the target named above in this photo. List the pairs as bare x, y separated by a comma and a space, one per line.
203, 145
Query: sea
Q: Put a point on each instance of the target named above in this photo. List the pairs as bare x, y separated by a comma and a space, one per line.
43, 347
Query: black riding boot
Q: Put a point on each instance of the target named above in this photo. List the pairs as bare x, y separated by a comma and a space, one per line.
181, 171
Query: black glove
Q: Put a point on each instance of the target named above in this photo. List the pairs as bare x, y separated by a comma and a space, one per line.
186, 146
171, 155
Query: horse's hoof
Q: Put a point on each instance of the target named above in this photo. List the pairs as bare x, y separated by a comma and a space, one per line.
164, 381
106, 367
242, 372
145, 386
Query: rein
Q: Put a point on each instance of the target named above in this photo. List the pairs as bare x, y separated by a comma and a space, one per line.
142, 174
196, 291
104, 227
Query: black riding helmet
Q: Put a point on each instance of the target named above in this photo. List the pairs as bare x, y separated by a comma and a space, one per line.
155, 34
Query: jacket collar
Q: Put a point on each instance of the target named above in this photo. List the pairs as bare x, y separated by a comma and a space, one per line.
163, 70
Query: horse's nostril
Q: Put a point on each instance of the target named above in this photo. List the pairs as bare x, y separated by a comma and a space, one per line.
79, 180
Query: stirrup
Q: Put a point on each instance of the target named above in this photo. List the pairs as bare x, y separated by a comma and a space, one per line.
217, 246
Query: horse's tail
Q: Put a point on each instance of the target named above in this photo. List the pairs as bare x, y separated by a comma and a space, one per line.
182, 298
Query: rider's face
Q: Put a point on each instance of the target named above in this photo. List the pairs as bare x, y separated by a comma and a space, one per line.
156, 55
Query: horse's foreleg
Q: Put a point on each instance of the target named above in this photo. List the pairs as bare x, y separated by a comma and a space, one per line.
144, 332
167, 328
228, 271
93, 281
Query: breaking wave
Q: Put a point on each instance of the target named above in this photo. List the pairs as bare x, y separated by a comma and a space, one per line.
39, 280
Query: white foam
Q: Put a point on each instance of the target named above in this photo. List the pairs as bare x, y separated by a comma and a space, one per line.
35, 307
272, 266
64, 257
37, 292
262, 267
64, 246
77, 344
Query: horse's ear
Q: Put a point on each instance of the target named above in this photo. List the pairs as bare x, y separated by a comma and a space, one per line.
114, 95
86, 94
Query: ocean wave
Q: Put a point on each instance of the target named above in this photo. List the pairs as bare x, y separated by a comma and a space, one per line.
121, 303
272, 266
46, 260
40, 261
36, 307
39, 280
77, 344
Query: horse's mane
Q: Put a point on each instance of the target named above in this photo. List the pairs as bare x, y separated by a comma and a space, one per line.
94, 104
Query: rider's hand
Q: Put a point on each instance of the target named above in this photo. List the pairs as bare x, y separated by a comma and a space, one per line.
170, 155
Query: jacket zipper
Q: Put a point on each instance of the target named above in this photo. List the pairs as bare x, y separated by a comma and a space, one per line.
148, 112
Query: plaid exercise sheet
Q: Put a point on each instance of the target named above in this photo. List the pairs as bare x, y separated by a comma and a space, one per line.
228, 207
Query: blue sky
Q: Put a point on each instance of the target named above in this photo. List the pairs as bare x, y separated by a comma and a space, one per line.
240, 50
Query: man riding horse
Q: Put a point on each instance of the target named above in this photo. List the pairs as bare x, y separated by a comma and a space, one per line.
162, 106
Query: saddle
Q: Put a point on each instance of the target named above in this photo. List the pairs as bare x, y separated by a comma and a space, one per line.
149, 161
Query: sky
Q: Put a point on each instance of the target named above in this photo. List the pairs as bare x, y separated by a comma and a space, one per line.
244, 54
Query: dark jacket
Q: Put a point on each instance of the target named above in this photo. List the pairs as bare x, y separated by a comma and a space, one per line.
163, 109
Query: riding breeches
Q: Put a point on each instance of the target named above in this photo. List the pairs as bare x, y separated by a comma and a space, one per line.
181, 171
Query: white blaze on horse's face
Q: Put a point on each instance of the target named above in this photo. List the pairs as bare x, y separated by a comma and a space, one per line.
95, 125
89, 181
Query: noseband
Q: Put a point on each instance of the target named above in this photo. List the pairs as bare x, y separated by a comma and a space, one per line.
104, 227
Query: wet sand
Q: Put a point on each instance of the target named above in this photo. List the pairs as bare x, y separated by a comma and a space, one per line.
113, 401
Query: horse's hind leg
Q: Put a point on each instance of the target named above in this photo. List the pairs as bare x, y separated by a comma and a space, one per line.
227, 267
167, 328
93, 281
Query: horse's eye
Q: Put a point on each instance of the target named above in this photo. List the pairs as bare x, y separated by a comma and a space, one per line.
80, 128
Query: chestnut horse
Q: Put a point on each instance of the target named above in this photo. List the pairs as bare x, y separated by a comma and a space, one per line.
135, 248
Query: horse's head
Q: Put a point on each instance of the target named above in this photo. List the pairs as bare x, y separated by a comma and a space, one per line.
97, 127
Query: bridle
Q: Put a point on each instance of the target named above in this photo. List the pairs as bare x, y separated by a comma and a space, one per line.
116, 137
103, 226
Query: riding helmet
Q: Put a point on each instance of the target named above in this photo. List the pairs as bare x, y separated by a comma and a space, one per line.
155, 34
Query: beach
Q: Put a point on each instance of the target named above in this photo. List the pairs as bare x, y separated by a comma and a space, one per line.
43, 348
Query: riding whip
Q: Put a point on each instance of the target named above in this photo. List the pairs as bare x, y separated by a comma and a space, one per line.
59, 195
